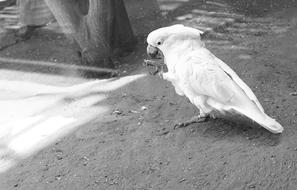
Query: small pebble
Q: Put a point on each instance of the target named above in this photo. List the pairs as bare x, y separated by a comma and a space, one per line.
182, 180
252, 187
117, 112
58, 177
85, 160
143, 108
133, 111
190, 156
97, 182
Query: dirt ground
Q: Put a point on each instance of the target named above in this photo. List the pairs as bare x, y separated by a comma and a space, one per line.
133, 144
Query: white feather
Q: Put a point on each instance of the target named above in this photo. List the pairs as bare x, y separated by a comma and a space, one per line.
209, 83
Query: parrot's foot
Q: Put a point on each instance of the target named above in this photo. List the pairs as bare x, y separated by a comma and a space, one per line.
195, 119
157, 65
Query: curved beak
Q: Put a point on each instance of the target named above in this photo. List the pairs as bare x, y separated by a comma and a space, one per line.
152, 51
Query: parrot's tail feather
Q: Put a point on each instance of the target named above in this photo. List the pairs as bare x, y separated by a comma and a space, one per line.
272, 125
262, 119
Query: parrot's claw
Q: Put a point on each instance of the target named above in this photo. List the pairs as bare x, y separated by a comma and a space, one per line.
160, 74
156, 64
195, 119
147, 62
156, 72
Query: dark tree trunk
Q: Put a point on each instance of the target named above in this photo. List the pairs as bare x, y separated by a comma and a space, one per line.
98, 26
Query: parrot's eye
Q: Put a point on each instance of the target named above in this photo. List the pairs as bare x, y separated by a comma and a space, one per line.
159, 43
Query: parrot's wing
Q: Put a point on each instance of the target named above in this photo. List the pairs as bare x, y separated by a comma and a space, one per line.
210, 80
207, 56
224, 93
239, 82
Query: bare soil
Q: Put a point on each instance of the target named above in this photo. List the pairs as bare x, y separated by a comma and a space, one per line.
136, 147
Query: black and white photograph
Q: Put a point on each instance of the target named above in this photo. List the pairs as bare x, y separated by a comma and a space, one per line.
148, 94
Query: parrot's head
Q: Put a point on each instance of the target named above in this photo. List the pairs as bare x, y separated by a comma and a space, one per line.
165, 39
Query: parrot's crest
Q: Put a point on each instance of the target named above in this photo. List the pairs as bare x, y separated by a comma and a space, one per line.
164, 38
177, 30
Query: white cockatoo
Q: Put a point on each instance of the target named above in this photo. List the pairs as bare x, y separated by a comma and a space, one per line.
209, 83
